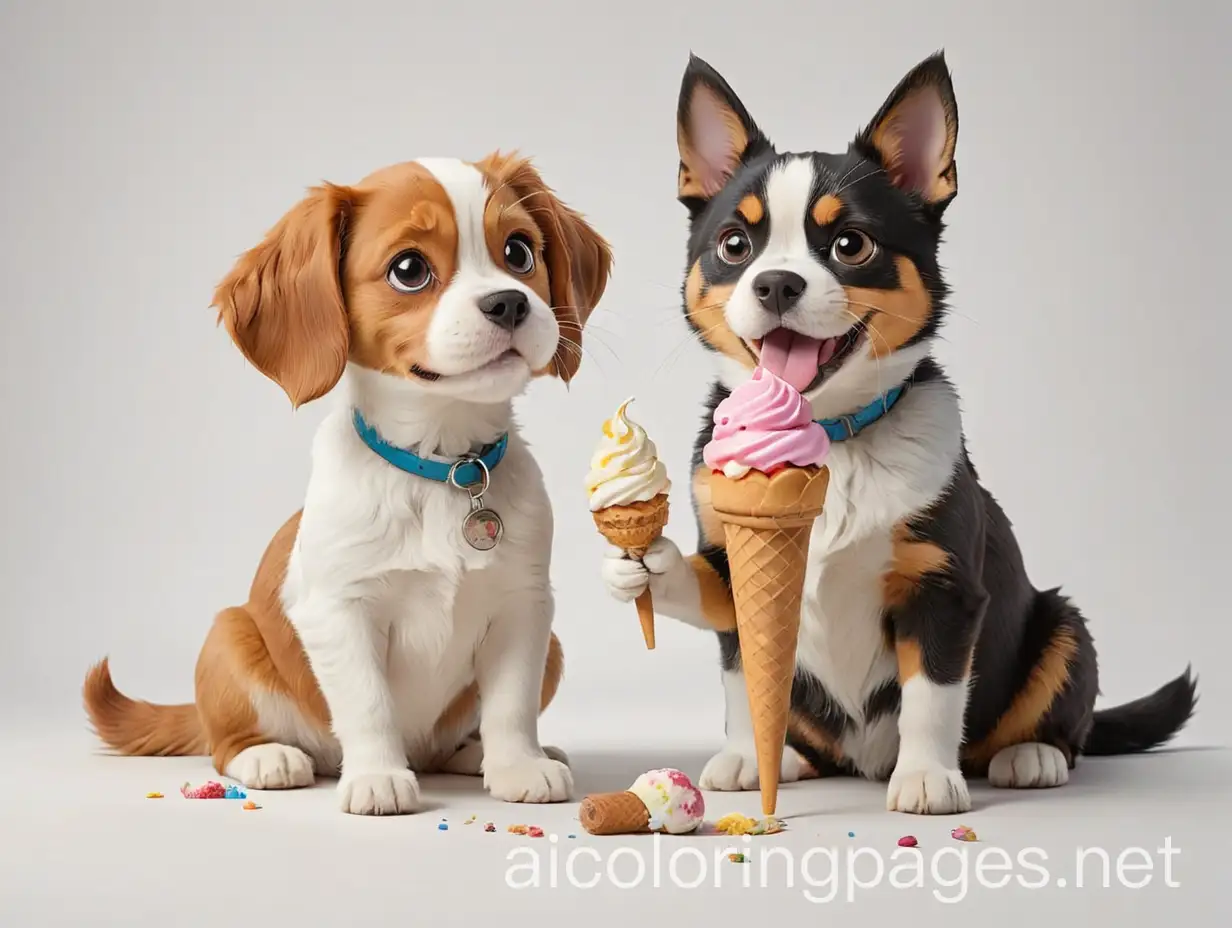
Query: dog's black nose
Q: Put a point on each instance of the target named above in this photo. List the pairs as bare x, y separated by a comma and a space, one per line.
507, 308
778, 291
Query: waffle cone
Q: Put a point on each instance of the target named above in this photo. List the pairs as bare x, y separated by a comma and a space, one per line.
634, 527
767, 522
614, 814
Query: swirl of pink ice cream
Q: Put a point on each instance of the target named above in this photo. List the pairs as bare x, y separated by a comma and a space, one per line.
765, 424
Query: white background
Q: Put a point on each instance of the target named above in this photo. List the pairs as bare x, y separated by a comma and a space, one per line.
145, 145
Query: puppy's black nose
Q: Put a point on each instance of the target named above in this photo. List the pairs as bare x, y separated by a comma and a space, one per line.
778, 291
507, 308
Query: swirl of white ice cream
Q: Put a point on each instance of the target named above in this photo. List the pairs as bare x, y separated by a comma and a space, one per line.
625, 468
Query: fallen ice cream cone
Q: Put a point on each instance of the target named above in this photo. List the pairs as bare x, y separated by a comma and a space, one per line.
662, 800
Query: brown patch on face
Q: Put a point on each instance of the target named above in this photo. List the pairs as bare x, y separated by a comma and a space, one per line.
404, 209
578, 260
803, 729
505, 215
827, 209
718, 608
898, 315
912, 561
704, 305
910, 660
710, 524
1020, 722
751, 209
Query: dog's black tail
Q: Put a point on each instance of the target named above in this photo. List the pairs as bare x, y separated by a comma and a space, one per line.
1144, 723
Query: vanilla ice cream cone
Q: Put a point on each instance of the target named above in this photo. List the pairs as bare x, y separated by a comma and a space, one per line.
628, 488
634, 528
767, 521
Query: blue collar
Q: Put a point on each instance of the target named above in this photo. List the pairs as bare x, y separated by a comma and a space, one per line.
843, 427
464, 473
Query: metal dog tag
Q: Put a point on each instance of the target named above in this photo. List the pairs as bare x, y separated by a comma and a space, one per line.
482, 528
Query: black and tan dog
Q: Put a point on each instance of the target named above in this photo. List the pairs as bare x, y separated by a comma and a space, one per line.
925, 652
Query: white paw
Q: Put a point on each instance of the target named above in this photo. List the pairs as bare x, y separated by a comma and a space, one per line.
271, 766
625, 578
467, 760
735, 768
930, 790
390, 792
1028, 766
662, 558
529, 779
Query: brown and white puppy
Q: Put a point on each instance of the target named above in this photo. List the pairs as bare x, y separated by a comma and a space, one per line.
380, 638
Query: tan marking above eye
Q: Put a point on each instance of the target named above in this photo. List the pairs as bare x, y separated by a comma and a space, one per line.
827, 209
751, 209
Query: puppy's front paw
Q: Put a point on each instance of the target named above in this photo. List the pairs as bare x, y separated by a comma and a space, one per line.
662, 559
735, 768
929, 790
388, 792
1029, 766
529, 779
625, 578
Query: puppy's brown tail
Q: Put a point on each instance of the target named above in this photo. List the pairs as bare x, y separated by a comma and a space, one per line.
140, 728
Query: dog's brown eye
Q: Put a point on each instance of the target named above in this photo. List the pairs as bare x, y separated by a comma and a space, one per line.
734, 247
853, 248
409, 272
519, 254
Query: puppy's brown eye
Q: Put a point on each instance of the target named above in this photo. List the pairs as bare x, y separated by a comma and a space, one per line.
519, 254
853, 248
409, 272
734, 247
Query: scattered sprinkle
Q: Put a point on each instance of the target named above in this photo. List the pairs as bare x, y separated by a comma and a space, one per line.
443, 826
250, 806
737, 858
210, 790
153, 795
963, 833
489, 826
907, 841
235, 792
851, 834
471, 820
737, 824
572, 836
517, 829
534, 831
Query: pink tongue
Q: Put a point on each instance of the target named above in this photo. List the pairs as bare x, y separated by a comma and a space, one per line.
794, 357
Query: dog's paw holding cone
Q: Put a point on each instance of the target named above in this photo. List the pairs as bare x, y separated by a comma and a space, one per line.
767, 485
658, 801
628, 487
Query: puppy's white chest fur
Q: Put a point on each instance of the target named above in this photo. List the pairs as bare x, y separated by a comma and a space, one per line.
889, 472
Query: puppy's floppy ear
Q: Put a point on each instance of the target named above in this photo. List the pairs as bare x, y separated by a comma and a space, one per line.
914, 134
578, 259
282, 303
714, 133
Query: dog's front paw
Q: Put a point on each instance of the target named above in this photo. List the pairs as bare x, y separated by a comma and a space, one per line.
928, 790
388, 792
625, 578
735, 768
529, 779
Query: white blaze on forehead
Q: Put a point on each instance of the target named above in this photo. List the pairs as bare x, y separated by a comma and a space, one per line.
467, 189
789, 190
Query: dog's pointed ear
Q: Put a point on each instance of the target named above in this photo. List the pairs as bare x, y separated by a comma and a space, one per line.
914, 134
282, 302
714, 133
578, 259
